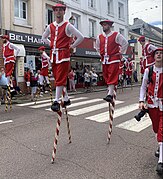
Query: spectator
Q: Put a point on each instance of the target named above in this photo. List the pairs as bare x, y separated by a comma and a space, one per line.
34, 85
94, 77
87, 80
71, 77
27, 79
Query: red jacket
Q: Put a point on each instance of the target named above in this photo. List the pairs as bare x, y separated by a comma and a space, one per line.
109, 47
8, 54
60, 42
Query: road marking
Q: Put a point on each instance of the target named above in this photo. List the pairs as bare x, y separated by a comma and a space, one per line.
103, 117
133, 125
49, 104
5, 122
37, 102
91, 108
81, 103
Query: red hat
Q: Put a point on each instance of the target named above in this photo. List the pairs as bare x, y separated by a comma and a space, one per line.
41, 48
107, 21
5, 37
141, 39
158, 49
63, 6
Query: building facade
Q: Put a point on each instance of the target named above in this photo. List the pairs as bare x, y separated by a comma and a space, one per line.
152, 34
26, 20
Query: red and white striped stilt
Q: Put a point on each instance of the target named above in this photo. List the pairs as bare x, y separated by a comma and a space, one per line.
111, 113
59, 114
68, 125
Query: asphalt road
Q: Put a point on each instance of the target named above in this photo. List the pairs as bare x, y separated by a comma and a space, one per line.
27, 135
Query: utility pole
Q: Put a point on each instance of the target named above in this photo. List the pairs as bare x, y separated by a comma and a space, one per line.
1, 30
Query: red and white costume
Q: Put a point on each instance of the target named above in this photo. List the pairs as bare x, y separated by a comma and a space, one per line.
129, 68
60, 44
111, 46
142, 65
9, 57
60, 41
155, 99
147, 50
44, 69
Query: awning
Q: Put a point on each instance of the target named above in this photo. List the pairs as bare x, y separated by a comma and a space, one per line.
22, 50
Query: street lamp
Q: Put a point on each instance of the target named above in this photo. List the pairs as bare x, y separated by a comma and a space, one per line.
72, 20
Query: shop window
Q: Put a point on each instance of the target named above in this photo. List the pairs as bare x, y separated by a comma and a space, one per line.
20, 11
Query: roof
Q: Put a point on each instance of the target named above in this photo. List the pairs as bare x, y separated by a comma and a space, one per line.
142, 28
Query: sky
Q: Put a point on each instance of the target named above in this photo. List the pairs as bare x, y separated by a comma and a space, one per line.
149, 11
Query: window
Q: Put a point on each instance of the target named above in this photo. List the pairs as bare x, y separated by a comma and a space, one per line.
91, 3
49, 15
110, 7
92, 24
120, 11
77, 20
20, 9
121, 31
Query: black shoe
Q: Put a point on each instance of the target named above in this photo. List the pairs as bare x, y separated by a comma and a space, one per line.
157, 153
66, 103
108, 98
159, 168
55, 106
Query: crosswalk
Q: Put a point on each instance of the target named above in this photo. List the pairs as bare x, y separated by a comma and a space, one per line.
84, 106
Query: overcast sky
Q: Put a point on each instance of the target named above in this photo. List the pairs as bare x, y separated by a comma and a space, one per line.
149, 11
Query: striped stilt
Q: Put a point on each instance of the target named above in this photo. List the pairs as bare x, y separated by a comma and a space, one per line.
68, 125
59, 114
111, 113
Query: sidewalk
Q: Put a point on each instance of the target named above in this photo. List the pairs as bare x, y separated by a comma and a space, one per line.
17, 99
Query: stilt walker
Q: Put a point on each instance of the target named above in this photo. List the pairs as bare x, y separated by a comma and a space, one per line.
61, 33
110, 45
9, 61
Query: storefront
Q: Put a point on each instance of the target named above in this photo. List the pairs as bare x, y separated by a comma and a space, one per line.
29, 44
85, 55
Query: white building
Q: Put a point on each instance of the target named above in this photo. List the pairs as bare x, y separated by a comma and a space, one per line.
26, 20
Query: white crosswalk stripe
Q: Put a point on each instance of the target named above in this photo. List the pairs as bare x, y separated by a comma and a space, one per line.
103, 117
85, 106
133, 125
90, 108
37, 102
81, 103
49, 104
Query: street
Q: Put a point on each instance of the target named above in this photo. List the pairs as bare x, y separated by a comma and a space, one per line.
27, 136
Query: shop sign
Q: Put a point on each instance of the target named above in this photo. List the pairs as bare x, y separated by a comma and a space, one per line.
23, 38
87, 53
